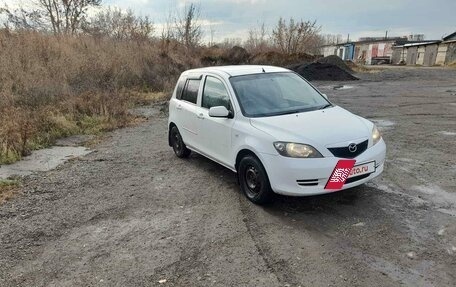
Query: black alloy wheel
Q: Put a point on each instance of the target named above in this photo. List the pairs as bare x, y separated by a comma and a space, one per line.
178, 144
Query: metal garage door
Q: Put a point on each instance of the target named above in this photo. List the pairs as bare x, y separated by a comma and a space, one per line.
411, 55
430, 55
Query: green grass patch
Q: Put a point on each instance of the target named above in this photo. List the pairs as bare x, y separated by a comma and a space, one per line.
5, 183
57, 127
147, 98
8, 156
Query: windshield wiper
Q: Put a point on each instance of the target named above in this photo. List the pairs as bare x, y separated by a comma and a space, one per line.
288, 112
296, 111
325, 106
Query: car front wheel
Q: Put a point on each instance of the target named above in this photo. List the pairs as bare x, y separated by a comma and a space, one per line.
178, 144
254, 180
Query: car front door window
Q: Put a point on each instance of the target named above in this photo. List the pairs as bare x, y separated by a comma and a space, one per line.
215, 94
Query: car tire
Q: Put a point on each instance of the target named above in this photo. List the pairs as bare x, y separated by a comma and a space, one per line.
254, 181
179, 147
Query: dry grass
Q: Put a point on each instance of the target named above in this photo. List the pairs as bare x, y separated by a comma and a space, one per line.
142, 98
54, 87
8, 189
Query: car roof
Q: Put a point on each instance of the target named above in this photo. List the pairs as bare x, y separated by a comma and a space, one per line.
239, 70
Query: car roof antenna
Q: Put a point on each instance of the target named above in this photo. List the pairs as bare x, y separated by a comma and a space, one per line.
263, 70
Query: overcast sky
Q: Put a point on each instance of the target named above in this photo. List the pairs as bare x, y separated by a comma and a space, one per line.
359, 18
233, 18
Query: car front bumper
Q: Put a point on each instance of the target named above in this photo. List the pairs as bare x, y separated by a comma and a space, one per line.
284, 172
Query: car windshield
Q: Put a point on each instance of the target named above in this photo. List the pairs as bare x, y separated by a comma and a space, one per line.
272, 94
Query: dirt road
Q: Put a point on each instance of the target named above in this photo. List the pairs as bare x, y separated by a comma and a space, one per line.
132, 214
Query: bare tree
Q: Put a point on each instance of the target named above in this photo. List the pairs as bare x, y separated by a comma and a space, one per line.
65, 16
229, 43
257, 40
118, 24
58, 16
329, 39
295, 37
188, 28
167, 33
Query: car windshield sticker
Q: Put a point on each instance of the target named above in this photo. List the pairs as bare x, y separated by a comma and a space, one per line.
340, 174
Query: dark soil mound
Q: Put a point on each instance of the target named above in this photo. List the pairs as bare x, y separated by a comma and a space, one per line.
334, 60
322, 72
211, 56
279, 59
235, 56
218, 56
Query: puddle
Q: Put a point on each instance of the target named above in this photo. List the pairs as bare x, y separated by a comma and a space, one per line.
400, 273
447, 211
42, 160
383, 124
445, 133
445, 200
413, 200
438, 194
343, 87
408, 160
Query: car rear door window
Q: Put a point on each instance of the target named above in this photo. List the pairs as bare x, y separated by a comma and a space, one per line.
190, 93
215, 94
180, 88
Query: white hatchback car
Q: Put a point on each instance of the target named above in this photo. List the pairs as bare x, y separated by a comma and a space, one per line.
274, 129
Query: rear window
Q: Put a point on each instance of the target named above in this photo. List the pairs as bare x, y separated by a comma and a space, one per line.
190, 93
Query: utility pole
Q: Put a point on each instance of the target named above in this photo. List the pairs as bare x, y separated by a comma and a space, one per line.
386, 35
212, 32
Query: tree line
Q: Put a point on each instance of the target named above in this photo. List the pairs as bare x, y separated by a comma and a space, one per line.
71, 17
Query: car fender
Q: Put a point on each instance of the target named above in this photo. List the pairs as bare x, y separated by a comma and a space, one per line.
254, 140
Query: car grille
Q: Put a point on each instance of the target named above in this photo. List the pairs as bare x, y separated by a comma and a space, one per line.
345, 152
356, 178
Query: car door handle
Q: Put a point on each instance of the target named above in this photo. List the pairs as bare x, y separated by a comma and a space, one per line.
200, 116
179, 107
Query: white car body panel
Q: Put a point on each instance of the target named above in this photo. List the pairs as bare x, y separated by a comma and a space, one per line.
222, 139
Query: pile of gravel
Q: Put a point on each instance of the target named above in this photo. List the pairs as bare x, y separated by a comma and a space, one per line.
322, 72
336, 61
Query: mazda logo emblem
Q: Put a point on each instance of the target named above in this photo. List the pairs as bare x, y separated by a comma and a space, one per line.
352, 147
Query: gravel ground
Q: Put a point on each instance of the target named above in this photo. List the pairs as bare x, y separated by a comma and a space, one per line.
132, 214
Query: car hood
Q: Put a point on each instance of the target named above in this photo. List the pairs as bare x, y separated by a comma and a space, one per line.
323, 127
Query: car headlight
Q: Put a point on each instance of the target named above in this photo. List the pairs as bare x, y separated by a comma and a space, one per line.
376, 136
296, 150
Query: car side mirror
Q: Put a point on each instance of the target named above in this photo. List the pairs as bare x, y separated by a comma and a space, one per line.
219, 112
325, 96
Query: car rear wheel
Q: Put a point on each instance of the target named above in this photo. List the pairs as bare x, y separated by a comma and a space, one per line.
178, 144
254, 180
